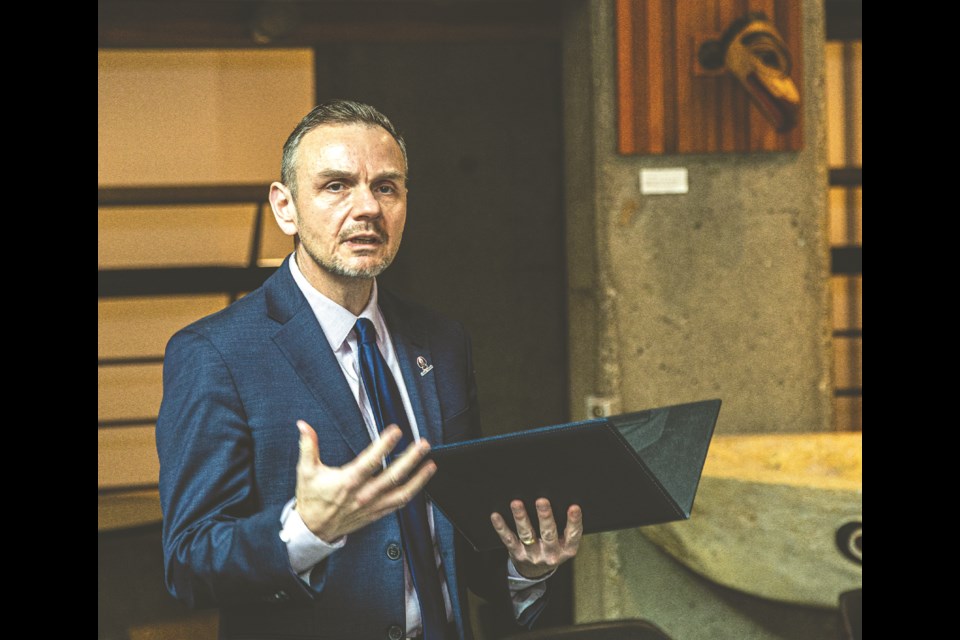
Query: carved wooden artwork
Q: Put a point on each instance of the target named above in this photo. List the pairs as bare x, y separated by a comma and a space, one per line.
671, 102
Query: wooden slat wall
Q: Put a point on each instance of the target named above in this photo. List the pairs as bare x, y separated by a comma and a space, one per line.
231, 136
844, 102
664, 107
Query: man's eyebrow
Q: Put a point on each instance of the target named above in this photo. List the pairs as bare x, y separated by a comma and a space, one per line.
397, 176
334, 174
327, 174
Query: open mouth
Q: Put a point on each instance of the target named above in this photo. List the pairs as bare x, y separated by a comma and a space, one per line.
364, 239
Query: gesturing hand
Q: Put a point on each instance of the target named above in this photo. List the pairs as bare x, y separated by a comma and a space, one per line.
534, 556
335, 501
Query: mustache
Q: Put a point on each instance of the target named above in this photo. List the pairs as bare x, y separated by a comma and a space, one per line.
366, 229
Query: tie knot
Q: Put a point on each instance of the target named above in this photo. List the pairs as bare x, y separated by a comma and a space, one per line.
366, 333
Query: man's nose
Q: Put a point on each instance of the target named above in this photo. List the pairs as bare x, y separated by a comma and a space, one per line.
365, 203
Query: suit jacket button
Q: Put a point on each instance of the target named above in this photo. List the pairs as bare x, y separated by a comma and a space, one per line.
395, 632
393, 551
281, 596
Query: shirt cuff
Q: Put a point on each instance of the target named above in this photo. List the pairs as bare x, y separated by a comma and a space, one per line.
304, 549
524, 592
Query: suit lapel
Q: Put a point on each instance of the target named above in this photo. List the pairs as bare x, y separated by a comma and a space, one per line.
306, 348
411, 343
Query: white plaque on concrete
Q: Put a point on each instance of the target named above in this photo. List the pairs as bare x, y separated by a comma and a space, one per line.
663, 181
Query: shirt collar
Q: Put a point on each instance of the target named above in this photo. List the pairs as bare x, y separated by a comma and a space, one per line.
336, 321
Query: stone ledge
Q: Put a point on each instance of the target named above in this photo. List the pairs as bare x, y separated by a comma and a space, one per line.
767, 516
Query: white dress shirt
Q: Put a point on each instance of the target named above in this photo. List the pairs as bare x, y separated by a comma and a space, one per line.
305, 549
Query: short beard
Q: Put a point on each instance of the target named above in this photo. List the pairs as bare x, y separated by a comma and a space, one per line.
336, 266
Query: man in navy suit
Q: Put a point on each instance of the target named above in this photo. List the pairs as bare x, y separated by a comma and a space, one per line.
281, 496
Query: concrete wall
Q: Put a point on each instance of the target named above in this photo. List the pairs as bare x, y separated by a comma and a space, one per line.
721, 292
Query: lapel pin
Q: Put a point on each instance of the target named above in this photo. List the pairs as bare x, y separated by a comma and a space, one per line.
425, 367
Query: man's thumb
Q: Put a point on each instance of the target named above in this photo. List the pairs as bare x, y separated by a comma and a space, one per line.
309, 448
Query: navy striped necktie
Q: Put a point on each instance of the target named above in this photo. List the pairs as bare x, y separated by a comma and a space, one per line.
388, 409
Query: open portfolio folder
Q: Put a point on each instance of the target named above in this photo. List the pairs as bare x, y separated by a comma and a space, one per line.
624, 471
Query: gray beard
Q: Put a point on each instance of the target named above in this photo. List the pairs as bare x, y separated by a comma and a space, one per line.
337, 268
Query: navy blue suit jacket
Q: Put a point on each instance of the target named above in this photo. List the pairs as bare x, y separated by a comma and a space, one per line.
235, 383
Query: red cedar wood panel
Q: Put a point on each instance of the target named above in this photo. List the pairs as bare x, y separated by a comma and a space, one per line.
625, 78
653, 49
726, 92
704, 106
669, 55
731, 137
709, 86
688, 132
663, 108
762, 138
788, 23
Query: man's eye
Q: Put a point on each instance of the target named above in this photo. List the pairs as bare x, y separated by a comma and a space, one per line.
386, 189
336, 186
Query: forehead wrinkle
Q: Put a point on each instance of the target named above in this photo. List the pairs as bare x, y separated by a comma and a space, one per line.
350, 159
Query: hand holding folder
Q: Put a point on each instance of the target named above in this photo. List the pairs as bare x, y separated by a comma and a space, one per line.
538, 548
623, 471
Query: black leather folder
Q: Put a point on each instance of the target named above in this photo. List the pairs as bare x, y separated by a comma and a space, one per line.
624, 471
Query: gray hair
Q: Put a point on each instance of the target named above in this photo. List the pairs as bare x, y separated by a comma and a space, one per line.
332, 112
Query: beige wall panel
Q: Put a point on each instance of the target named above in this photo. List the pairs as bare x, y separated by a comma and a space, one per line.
167, 236
847, 363
129, 391
855, 54
856, 290
837, 210
844, 102
849, 413
197, 116
129, 327
275, 245
833, 90
126, 456
842, 359
179, 118
840, 309
857, 217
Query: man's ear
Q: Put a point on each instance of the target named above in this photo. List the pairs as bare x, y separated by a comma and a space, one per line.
284, 209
